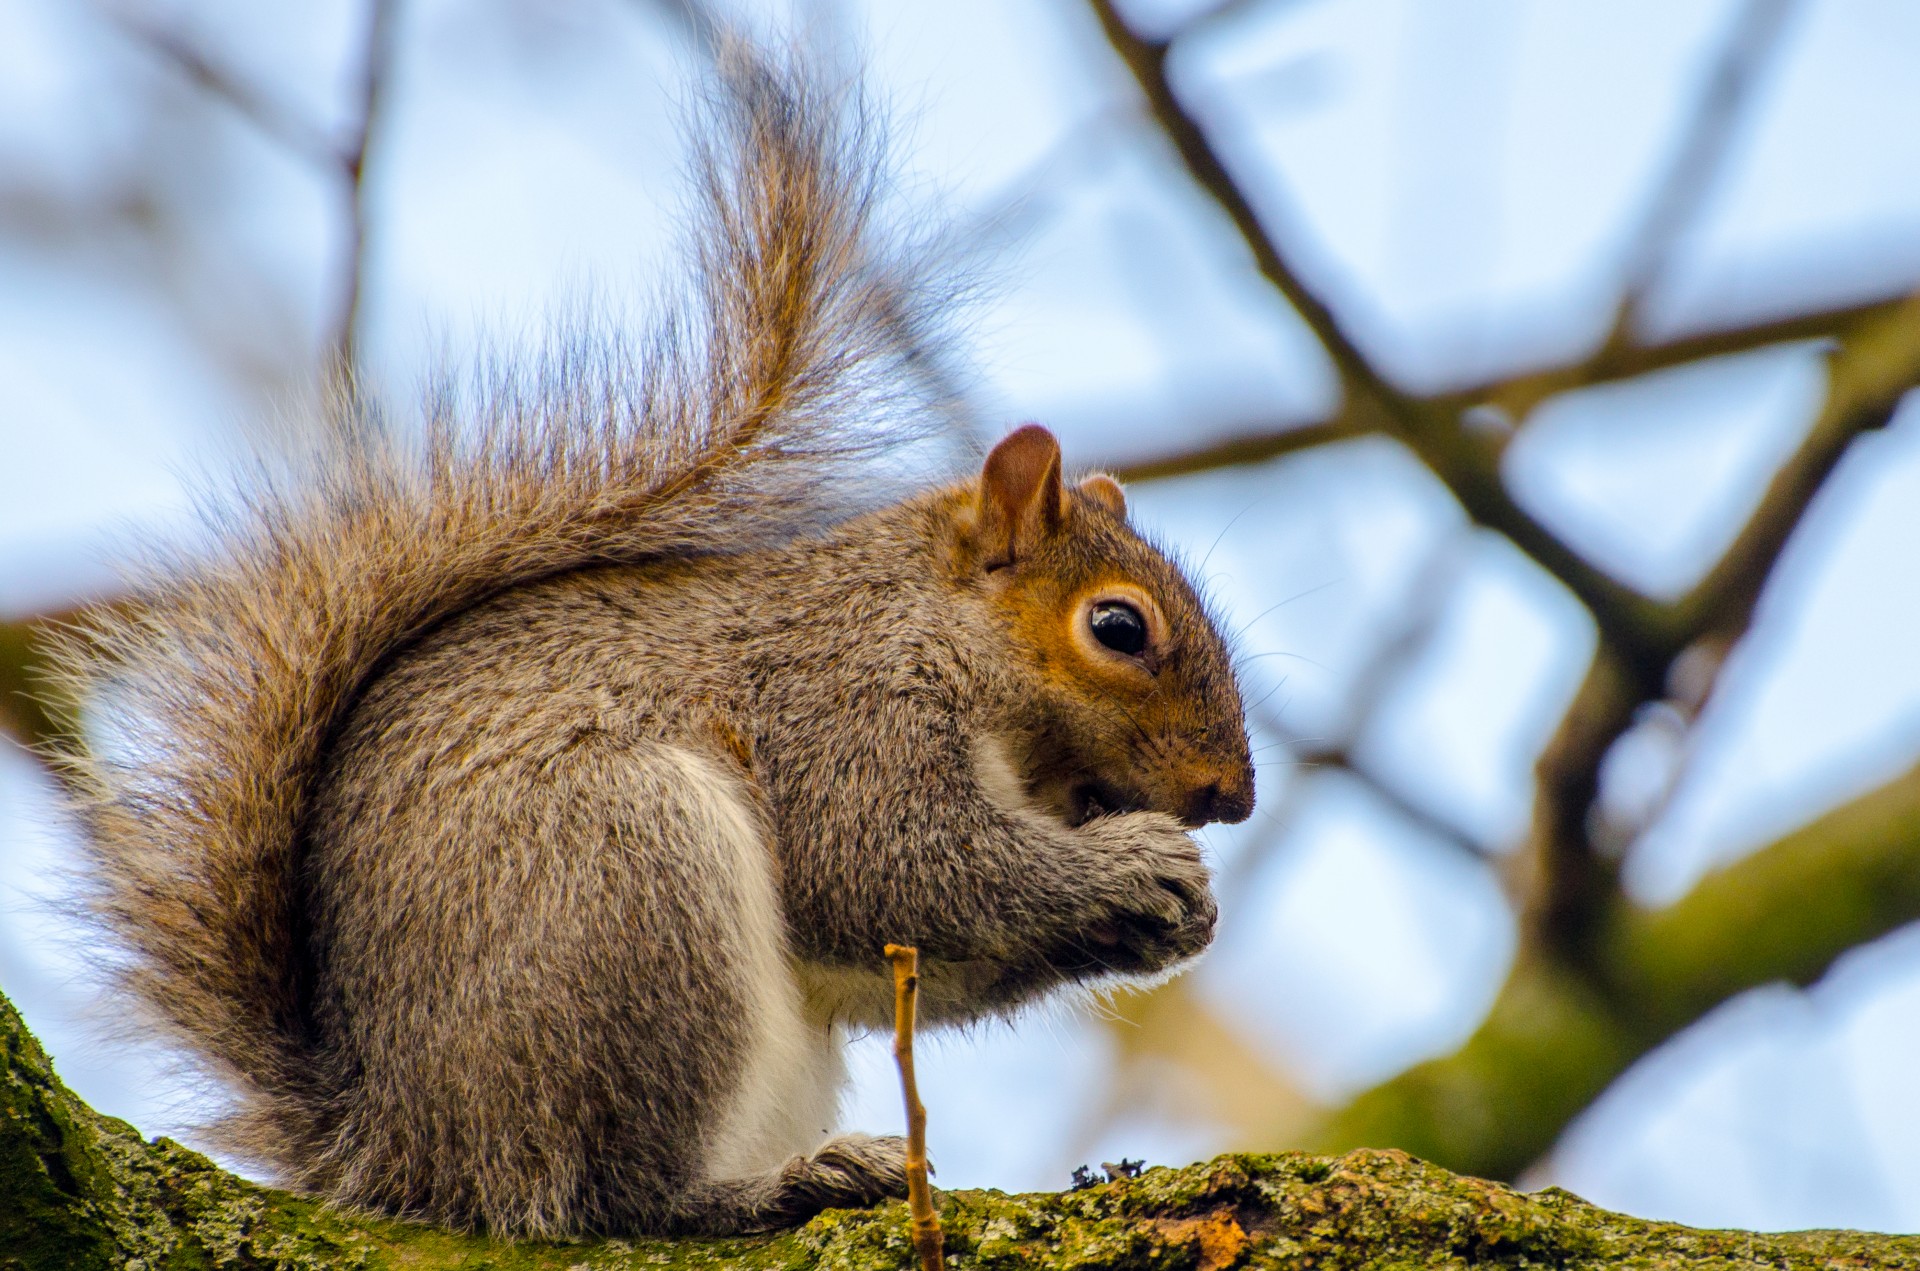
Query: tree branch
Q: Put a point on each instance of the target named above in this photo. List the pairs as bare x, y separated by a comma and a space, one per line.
1696, 163
1868, 375
376, 65
1465, 460
347, 159
1554, 1040
257, 107
1563, 886
1517, 396
1559, 884
83, 1192
1256, 448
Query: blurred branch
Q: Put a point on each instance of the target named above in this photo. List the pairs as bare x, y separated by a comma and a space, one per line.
1562, 885
1868, 375
1558, 883
376, 65
1518, 396
1697, 161
24, 715
1147, 59
1421, 818
347, 158
1242, 450
274, 119
1553, 1040
1407, 632
1466, 460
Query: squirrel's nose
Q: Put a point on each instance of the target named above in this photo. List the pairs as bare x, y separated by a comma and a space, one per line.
1229, 801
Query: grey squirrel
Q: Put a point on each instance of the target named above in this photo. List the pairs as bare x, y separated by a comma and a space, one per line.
515, 819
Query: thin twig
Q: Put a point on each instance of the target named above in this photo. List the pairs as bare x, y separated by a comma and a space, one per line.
347, 159
376, 64
1235, 451
1867, 377
1697, 162
1406, 634
257, 107
1517, 395
1408, 808
927, 1237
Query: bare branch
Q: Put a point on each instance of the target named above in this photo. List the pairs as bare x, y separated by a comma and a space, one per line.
1696, 163
1555, 1039
272, 118
1147, 60
1867, 377
1409, 809
927, 1237
1559, 885
1517, 397
348, 158
1467, 461
1565, 886
1405, 635
1255, 448
376, 64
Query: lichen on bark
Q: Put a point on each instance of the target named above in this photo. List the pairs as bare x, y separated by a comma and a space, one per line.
80, 1191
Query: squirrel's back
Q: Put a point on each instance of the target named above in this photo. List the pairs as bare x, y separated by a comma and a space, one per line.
228, 675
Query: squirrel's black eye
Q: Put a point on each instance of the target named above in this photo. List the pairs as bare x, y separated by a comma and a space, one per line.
1120, 627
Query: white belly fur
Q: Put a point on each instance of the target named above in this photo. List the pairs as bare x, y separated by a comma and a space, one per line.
789, 1089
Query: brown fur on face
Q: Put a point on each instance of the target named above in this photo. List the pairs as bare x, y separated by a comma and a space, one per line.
1102, 732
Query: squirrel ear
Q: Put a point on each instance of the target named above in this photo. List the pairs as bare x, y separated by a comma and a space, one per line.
1105, 491
1021, 498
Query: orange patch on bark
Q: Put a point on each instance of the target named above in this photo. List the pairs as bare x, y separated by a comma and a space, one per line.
1220, 1238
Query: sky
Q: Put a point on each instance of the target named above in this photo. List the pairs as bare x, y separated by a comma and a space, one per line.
1461, 184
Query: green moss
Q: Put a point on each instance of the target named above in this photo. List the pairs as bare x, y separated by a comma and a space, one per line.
80, 1191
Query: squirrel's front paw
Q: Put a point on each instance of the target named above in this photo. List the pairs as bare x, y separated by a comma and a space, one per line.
1159, 905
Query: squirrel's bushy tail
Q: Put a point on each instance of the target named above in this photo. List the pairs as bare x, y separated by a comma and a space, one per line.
212, 693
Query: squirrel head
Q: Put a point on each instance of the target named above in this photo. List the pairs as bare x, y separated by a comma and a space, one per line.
1127, 700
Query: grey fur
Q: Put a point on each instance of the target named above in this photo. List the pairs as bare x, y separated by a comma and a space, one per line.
517, 823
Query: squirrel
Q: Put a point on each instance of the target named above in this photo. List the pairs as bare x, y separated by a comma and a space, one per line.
513, 817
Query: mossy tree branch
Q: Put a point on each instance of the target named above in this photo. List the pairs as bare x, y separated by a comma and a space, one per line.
83, 1192
1555, 1039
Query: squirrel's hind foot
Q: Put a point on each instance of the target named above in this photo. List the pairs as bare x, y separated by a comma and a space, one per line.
850, 1171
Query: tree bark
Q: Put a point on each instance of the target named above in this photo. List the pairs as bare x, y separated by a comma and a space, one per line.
80, 1191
